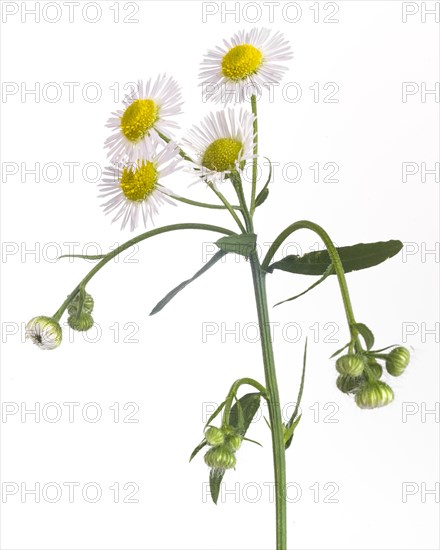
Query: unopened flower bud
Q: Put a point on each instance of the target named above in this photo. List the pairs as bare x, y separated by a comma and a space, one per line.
234, 442
351, 365
375, 369
82, 323
87, 306
44, 332
347, 384
397, 361
220, 458
371, 396
214, 436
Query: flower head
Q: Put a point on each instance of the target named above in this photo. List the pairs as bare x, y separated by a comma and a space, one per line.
134, 190
146, 111
248, 61
45, 332
222, 143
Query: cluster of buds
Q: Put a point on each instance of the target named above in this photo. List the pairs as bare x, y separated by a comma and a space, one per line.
80, 309
224, 443
360, 375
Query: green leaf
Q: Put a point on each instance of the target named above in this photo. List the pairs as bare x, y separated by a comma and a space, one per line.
252, 441
328, 272
366, 334
289, 431
353, 258
339, 350
264, 193
293, 420
216, 413
198, 448
215, 480
243, 244
160, 305
243, 411
262, 196
382, 349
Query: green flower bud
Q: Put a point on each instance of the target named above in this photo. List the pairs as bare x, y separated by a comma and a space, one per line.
44, 332
220, 458
375, 369
214, 436
397, 361
234, 442
347, 384
82, 323
351, 365
371, 396
73, 307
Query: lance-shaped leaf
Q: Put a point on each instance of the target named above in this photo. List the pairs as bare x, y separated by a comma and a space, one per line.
264, 193
239, 244
198, 448
366, 334
243, 412
328, 272
294, 420
353, 258
160, 305
215, 480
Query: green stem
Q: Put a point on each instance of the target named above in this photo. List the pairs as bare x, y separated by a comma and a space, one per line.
227, 205
233, 392
238, 186
334, 256
276, 423
128, 244
255, 152
197, 203
181, 151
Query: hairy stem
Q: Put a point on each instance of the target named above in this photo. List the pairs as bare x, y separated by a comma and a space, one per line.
276, 423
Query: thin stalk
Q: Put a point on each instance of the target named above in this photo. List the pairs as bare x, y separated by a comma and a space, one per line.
228, 206
128, 244
238, 186
255, 152
276, 423
181, 151
197, 203
233, 392
334, 257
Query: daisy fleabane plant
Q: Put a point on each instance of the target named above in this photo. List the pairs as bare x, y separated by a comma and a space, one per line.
215, 152
246, 63
147, 113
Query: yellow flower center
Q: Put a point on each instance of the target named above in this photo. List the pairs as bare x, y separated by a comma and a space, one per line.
241, 61
222, 154
139, 183
138, 118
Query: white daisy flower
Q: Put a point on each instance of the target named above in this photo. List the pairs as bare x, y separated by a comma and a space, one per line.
133, 189
146, 111
248, 61
44, 332
222, 143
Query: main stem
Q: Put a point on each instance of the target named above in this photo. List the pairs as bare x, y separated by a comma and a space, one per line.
278, 447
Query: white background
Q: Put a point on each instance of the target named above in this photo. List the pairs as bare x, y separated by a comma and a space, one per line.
171, 374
